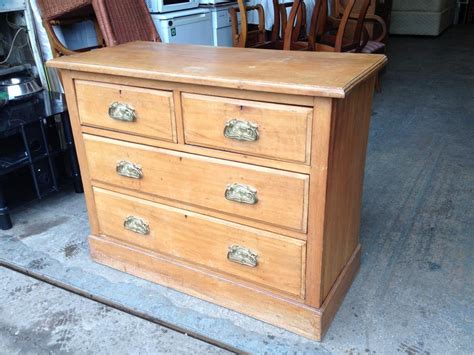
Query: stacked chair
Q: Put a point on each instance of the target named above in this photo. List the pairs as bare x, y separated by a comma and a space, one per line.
344, 31
116, 22
348, 29
254, 36
248, 35
125, 21
299, 32
65, 12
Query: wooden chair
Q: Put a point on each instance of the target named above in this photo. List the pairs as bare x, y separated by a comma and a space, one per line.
374, 31
299, 27
276, 30
316, 29
281, 19
348, 27
65, 12
248, 36
370, 44
376, 45
254, 36
125, 21
381, 8
374, 34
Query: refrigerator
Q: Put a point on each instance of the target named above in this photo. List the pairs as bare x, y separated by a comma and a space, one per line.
221, 25
185, 27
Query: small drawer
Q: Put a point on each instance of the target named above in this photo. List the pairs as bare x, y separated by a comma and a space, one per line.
275, 131
143, 112
240, 191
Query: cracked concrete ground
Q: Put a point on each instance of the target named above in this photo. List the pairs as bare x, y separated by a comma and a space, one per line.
415, 289
37, 318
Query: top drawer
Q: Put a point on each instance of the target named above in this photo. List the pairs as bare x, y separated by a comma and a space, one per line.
133, 110
281, 132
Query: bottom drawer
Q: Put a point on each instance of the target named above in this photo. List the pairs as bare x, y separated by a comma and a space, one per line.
250, 254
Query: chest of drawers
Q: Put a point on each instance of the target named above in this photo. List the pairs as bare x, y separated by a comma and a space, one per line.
234, 175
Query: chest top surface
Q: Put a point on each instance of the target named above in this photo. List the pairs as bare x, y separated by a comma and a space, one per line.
288, 72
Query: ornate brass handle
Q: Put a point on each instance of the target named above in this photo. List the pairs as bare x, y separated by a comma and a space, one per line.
243, 256
241, 130
122, 112
241, 193
136, 225
128, 169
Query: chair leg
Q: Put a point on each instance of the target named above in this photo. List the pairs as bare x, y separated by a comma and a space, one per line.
378, 84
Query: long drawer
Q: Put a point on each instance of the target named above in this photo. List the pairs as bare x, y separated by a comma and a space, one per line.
275, 131
139, 111
256, 256
239, 190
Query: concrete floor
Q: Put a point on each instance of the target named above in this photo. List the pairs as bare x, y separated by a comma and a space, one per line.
415, 290
37, 318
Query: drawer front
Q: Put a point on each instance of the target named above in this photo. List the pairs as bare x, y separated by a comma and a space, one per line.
246, 191
138, 111
249, 254
262, 129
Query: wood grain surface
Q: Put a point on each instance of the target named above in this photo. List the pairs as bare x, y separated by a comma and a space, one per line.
291, 72
154, 109
284, 131
242, 297
348, 147
202, 181
205, 241
312, 111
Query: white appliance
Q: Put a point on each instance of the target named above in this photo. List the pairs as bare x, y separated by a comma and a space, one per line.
160, 6
221, 25
214, 2
185, 27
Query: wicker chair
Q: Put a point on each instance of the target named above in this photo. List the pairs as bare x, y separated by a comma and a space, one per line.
65, 12
125, 21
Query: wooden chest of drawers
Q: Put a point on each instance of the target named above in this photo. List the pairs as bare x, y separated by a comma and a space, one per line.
234, 175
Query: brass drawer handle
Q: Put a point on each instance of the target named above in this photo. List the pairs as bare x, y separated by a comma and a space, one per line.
128, 169
241, 193
243, 256
122, 112
241, 130
136, 225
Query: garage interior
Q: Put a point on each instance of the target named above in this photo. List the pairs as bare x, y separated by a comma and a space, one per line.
414, 290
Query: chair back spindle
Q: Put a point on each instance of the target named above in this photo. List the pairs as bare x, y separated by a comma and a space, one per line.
362, 6
244, 36
299, 20
294, 26
347, 35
